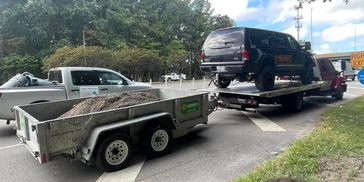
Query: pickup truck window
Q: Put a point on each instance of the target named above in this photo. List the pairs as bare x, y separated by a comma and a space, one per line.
85, 78
108, 78
55, 75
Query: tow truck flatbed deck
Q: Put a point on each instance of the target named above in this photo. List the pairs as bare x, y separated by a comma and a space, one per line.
281, 88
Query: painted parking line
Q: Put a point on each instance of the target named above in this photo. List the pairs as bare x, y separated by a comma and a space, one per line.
351, 95
262, 122
11, 146
128, 174
362, 88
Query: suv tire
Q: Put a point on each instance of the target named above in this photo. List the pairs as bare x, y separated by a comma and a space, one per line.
222, 82
264, 80
307, 76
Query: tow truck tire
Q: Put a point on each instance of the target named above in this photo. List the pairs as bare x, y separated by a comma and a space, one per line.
264, 80
158, 140
113, 153
222, 82
339, 95
292, 102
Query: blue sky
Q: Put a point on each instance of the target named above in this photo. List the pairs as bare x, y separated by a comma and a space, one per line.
333, 22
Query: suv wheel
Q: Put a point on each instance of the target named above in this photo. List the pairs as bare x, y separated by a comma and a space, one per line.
222, 82
307, 76
264, 81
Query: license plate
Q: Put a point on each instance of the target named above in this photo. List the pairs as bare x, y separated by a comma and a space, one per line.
220, 68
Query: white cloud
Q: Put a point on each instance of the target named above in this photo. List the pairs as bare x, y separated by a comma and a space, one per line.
232, 8
324, 48
343, 32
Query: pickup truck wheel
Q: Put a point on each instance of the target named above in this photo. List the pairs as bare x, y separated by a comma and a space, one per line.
113, 153
158, 140
292, 102
222, 82
264, 80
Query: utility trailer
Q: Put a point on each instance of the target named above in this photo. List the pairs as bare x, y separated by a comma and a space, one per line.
288, 93
107, 137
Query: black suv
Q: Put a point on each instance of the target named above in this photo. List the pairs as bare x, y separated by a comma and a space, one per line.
250, 54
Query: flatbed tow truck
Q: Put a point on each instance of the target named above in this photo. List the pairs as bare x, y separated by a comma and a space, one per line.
288, 93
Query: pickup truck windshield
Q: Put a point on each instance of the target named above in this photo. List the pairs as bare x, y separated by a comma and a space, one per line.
224, 39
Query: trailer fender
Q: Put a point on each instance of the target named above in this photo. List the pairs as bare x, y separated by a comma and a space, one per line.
89, 148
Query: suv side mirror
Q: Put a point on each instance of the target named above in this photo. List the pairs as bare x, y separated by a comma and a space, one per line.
307, 46
343, 65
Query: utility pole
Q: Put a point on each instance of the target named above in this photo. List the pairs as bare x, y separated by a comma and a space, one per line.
355, 38
298, 18
311, 29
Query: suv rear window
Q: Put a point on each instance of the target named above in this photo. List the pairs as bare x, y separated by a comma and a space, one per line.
224, 39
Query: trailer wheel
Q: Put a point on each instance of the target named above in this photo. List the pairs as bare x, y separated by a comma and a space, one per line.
264, 80
292, 102
158, 140
113, 153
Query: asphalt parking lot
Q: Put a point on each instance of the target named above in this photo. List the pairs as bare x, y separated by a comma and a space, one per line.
232, 144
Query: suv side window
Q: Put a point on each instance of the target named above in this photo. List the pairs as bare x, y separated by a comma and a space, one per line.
108, 78
84, 78
282, 42
262, 38
294, 44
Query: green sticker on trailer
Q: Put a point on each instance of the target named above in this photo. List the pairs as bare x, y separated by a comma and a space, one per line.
189, 107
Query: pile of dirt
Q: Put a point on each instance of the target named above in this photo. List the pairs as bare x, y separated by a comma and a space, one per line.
343, 169
111, 101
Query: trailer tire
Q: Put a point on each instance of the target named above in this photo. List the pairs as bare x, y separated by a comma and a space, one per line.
113, 153
264, 80
158, 140
292, 102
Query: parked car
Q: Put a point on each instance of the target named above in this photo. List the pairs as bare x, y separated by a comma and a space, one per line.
248, 54
348, 73
173, 77
67, 83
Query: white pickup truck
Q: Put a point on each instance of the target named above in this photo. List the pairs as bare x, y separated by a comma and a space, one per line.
68, 83
173, 77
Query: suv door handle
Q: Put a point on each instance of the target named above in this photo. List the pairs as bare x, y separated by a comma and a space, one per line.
75, 90
104, 89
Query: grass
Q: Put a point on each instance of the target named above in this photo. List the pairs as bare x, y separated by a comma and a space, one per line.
340, 133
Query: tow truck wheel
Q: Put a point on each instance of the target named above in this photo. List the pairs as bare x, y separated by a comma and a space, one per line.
222, 82
113, 153
292, 102
264, 81
158, 140
339, 95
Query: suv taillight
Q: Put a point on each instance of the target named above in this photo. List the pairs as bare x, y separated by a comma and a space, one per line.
202, 56
245, 55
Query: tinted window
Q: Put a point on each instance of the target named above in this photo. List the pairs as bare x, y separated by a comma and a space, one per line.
294, 44
224, 38
282, 41
85, 78
262, 38
108, 78
55, 75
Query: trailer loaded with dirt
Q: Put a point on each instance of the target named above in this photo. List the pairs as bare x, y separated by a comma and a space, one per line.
105, 129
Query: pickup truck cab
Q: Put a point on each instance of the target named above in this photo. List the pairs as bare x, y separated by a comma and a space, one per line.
68, 83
